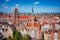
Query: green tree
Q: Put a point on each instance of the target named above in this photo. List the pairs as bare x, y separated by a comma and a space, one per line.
26, 37
17, 35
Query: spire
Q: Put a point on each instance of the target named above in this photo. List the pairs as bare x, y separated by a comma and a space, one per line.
32, 11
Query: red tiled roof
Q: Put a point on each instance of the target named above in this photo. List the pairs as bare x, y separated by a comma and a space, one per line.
36, 24
5, 16
24, 17
28, 24
43, 23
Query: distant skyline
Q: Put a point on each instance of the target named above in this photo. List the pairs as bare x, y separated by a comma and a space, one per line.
40, 6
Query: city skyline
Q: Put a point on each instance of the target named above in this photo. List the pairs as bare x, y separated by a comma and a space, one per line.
40, 6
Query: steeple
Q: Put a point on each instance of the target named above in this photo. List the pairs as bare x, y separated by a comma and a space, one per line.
32, 11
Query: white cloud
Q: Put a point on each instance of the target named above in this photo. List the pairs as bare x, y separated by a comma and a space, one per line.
36, 3
7, 0
17, 5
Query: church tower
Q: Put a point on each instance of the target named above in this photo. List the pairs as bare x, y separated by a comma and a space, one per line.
32, 11
32, 20
16, 14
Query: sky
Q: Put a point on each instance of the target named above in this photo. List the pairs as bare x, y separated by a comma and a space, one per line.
40, 6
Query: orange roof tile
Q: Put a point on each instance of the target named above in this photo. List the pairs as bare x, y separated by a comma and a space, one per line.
43, 23
5, 16
36, 24
24, 17
28, 24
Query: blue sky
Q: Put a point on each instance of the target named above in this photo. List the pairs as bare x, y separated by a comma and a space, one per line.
39, 6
